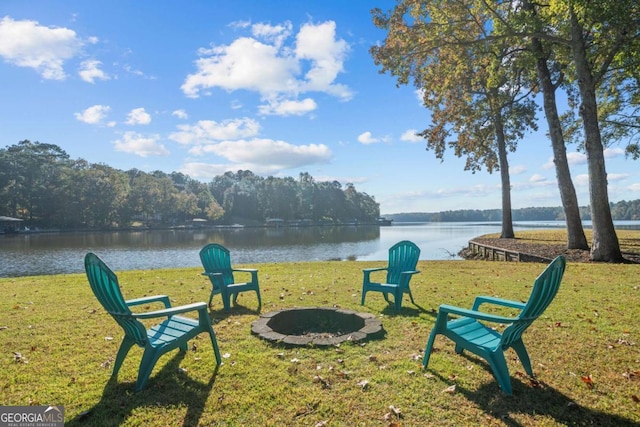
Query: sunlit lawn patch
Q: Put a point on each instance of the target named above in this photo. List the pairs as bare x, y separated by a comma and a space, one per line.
58, 346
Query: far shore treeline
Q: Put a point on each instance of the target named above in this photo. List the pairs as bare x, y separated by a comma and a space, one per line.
623, 210
41, 185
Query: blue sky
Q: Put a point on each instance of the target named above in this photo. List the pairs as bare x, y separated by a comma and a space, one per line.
277, 87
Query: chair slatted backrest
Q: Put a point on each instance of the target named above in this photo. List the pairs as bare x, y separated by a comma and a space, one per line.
403, 256
104, 284
544, 291
216, 259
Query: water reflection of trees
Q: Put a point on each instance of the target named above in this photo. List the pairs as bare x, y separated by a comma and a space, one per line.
231, 237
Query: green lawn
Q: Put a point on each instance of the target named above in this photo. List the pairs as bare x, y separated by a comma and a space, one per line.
58, 346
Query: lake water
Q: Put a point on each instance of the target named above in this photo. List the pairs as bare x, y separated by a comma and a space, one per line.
58, 253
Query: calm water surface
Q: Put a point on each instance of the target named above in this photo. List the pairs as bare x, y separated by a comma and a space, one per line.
57, 253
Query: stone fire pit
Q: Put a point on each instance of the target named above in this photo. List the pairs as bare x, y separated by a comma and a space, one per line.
320, 326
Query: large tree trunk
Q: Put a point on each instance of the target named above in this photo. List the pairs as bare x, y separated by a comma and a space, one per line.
576, 238
604, 245
507, 220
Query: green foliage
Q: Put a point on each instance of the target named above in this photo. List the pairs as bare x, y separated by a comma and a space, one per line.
469, 74
589, 333
39, 183
623, 211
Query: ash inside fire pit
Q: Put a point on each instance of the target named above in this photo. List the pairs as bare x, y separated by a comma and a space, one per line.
321, 326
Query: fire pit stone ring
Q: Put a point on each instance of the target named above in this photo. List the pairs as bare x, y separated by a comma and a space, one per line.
318, 326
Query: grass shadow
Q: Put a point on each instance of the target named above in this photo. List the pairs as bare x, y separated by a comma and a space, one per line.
407, 311
237, 309
532, 399
169, 387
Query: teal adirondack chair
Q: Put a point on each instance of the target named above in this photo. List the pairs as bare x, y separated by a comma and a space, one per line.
403, 258
173, 332
217, 267
468, 333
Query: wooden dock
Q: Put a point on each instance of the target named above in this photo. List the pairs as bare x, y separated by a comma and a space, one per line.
492, 253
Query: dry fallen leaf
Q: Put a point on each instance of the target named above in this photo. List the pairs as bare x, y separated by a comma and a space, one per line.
364, 384
451, 389
322, 381
588, 381
396, 411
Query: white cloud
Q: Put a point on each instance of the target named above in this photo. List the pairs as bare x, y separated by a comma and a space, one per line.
138, 116
576, 158
617, 176
265, 64
45, 49
181, 114
318, 43
367, 138
240, 24
267, 155
411, 135
610, 153
581, 180
276, 34
288, 107
517, 169
573, 159
535, 178
94, 115
261, 156
90, 71
634, 187
205, 171
244, 64
140, 145
208, 131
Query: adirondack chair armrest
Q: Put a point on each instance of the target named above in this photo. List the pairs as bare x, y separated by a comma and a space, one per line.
246, 270
367, 272
196, 306
206, 273
253, 271
146, 300
214, 277
474, 314
497, 301
410, 272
